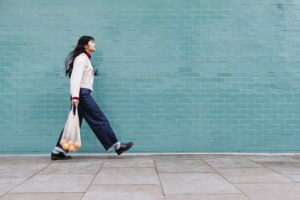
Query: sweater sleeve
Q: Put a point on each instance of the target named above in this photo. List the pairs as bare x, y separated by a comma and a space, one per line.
79, 67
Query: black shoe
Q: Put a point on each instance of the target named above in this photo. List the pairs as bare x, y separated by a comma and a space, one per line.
60, 156
124, 147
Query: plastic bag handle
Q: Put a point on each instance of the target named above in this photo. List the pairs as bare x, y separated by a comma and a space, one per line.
74, 109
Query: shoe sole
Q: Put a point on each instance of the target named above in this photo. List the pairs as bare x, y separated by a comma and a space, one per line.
60, 158
126, 149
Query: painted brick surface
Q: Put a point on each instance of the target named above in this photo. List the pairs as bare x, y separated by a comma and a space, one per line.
175, 76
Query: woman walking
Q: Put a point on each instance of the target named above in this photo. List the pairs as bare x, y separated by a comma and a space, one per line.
81, 74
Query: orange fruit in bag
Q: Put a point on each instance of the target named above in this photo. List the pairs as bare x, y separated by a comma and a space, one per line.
71, 148
77, 145
66, 146
63, 141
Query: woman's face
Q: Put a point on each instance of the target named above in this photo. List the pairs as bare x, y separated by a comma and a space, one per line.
91, 46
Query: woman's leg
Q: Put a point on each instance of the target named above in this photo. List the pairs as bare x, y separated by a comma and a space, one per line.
90, 111
96, 119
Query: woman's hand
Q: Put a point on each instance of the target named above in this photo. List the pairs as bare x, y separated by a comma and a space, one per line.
75, 102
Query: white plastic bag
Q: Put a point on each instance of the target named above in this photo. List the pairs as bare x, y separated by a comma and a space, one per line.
70, 139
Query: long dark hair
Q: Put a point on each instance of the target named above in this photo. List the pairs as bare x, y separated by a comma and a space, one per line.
69, 61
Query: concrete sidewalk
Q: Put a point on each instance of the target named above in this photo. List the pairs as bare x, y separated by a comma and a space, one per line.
151, 177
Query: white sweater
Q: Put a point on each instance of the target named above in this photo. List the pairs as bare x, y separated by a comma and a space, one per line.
82, 75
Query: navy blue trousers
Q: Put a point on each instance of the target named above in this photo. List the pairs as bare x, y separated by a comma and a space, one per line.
96, 119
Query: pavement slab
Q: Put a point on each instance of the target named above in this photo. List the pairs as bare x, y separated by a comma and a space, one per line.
151, 177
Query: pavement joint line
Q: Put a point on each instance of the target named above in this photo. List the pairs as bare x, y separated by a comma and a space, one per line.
161, 186
100, 168
217, 172
26, 179
265, 166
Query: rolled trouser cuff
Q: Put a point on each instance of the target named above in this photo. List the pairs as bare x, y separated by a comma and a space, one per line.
116, 145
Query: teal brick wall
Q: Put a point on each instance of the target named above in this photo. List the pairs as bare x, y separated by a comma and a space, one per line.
175, 75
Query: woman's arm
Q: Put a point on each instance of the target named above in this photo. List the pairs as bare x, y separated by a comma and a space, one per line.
79, 67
